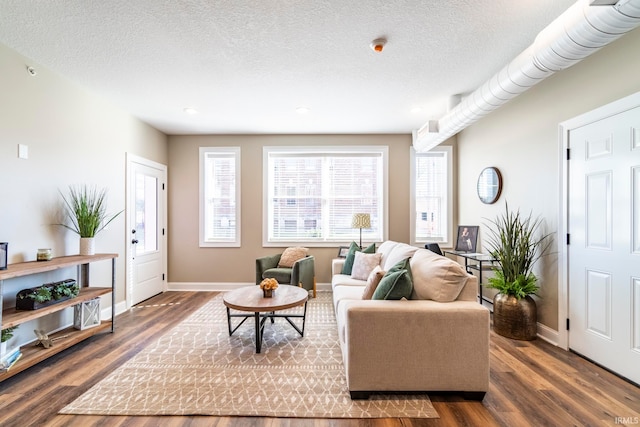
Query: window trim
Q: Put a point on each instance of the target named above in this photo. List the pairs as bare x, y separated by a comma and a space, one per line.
447, 242
266, 150
221, 243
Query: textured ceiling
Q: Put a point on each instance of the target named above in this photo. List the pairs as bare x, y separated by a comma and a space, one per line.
247, 65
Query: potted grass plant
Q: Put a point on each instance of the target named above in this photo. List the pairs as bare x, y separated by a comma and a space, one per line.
86, 214
515, 242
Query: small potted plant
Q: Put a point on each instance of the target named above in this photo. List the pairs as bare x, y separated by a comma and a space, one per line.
516, 244
86, 212
46, 295
268, 287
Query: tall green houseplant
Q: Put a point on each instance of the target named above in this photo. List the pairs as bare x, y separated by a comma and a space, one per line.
86, 214
515, 242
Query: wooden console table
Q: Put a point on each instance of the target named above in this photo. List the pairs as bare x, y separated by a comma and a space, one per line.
10, 317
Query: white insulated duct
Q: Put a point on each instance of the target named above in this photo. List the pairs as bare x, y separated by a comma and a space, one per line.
580, 31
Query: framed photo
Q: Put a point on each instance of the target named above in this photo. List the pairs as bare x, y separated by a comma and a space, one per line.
467, 238
343, 251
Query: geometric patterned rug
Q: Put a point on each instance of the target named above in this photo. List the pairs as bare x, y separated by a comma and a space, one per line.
198, 369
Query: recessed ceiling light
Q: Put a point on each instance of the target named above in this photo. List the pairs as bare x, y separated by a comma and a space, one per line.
302, 110
190, 110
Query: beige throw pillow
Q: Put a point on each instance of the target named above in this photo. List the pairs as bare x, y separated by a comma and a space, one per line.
291, 255
436, 277
363, 264
372, 282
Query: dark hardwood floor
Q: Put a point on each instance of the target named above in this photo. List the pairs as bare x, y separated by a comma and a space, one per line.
532, 384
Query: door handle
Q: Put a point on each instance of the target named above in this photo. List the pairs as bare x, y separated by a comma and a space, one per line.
134, 241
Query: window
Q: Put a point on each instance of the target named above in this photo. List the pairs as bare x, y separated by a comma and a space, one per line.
431, 201
311, 194
220, 196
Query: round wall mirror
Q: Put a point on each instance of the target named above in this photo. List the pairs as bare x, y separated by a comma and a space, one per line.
489, 185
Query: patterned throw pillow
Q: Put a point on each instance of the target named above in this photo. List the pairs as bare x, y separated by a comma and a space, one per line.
353, 248
291, 255
363, 264
372, 282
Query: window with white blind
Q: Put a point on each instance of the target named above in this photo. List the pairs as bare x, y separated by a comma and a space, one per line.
311, 194
220, 196
432, 198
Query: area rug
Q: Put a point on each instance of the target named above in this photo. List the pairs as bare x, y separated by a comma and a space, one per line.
198, 369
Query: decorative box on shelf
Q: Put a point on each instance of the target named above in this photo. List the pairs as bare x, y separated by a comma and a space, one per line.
86, 314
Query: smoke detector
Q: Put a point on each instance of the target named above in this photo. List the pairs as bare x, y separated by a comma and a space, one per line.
378, 44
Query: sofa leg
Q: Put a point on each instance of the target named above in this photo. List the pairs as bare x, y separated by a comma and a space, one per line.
474, 395
314, 286
359, 395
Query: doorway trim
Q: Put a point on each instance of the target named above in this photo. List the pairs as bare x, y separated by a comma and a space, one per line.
132, 158
608, 110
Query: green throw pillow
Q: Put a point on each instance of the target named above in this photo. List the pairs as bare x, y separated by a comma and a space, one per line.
396, 285
405, 264
351, 255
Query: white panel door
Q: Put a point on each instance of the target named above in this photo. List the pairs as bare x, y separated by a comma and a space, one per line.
146, 210
604, 249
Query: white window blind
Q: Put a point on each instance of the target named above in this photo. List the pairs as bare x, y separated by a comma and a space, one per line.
311, 193
220, 196
432, 198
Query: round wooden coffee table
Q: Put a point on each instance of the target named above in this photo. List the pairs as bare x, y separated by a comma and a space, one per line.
250, 298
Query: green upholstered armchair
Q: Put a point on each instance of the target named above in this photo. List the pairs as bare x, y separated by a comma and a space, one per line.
302, 274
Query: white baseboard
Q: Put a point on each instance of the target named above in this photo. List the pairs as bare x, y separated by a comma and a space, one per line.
121, 307
549, 335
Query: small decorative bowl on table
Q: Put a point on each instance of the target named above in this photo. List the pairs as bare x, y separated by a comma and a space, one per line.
268, 287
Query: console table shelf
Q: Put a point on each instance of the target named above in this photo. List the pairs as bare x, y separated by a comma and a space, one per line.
68, 337
12, 317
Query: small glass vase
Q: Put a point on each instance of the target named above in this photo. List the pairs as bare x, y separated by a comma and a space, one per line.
268, 293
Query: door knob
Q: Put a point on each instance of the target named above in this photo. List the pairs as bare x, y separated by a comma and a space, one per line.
134, 241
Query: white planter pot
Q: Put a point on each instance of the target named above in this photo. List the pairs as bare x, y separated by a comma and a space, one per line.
87, 246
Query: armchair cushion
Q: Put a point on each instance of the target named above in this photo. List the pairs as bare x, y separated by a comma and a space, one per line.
291, 255
282, 275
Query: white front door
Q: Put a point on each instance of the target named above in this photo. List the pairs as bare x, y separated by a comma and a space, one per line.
604, 248
146, 208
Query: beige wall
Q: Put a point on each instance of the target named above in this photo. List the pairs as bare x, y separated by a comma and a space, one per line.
522, 140
73, 138
188, 263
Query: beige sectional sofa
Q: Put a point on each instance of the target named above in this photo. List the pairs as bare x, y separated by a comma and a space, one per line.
437, 340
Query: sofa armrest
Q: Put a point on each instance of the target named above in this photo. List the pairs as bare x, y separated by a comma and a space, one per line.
304, 272
265, 263
336, 265
410, 345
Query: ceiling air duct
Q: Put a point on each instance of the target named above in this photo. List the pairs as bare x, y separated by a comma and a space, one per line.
580, 31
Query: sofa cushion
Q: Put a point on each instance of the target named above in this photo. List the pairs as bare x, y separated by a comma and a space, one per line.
385, 249
394, 286
436, 277
372, 282
346, 293
291, 255
363, 264
353, 248
398, 253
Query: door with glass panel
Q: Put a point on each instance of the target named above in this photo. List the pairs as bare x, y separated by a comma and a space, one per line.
146, 229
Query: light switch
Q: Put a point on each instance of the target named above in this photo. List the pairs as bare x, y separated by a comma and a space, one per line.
23, 151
